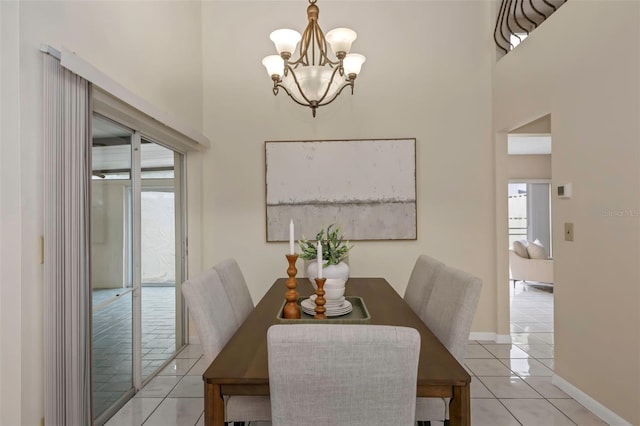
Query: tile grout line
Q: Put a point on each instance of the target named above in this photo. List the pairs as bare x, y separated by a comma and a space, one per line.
174, 386
542, 397
537, 311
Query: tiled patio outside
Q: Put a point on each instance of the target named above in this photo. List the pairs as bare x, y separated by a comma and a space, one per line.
112, 344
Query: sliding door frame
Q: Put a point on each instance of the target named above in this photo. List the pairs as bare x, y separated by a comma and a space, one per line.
136, 209
133, 254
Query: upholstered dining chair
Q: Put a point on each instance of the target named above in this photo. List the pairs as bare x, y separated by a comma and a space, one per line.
342, 374
236, 288
448, 314
421, 282
212, 312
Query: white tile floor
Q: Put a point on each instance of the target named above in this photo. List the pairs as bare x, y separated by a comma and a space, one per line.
511, 383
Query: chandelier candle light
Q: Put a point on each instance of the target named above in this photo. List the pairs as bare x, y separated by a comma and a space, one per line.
313, 79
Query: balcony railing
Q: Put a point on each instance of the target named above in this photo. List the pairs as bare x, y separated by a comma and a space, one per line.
518, 18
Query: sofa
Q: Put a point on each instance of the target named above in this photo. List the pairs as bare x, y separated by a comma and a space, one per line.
528, 262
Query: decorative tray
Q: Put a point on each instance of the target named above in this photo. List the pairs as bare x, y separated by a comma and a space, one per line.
359, 314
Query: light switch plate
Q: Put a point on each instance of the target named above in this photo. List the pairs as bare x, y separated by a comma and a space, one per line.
568, 231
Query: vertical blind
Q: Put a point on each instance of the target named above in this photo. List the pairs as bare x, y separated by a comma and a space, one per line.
67, 303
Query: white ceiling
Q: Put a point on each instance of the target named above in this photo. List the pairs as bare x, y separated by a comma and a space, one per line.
529, 144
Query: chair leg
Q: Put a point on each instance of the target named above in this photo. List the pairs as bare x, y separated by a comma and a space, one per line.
424, 423
446, 422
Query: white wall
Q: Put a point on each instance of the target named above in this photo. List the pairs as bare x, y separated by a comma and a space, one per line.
582, 67
10, 217
439, 92
153, 48
529, 167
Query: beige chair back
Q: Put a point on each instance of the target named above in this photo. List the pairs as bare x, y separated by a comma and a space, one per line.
236, 288
421, 282
211, 311
451, 308
341, 374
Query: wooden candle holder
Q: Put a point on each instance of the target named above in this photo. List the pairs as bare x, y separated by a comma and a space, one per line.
320, 309
291, 308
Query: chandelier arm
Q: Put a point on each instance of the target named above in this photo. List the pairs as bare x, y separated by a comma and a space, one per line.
349, 83
302, 60
295, 80
322, 47
305, 42
333, 75
293, 97
314, 42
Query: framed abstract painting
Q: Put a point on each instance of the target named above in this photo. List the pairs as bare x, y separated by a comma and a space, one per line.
367, 186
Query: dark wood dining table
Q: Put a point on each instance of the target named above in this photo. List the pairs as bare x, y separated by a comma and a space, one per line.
241, 366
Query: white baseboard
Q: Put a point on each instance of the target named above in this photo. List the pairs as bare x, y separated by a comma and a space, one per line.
481, 335
503, 338
194, 340
493, 337
591, 404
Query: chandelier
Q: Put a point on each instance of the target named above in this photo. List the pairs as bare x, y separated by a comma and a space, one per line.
313, 79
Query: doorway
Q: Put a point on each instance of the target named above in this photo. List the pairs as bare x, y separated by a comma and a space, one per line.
529, 220
137, 262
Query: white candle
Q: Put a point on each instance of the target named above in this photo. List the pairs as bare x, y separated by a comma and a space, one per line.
319, 250
291, 250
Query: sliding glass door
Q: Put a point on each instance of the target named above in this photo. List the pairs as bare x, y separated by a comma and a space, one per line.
111, 272
137, 261
161, 258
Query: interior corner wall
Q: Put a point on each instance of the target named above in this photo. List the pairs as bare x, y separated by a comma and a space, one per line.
423, 78
582, 67
153, 49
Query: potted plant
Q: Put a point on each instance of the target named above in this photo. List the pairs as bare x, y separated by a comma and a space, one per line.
334, 251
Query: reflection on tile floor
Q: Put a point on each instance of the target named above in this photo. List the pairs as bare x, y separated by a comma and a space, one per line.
511, 383
112, 340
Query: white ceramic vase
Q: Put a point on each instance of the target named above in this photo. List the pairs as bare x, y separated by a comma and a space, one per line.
341, 270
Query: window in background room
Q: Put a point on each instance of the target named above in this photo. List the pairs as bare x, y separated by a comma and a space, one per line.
530, 213
517, 212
